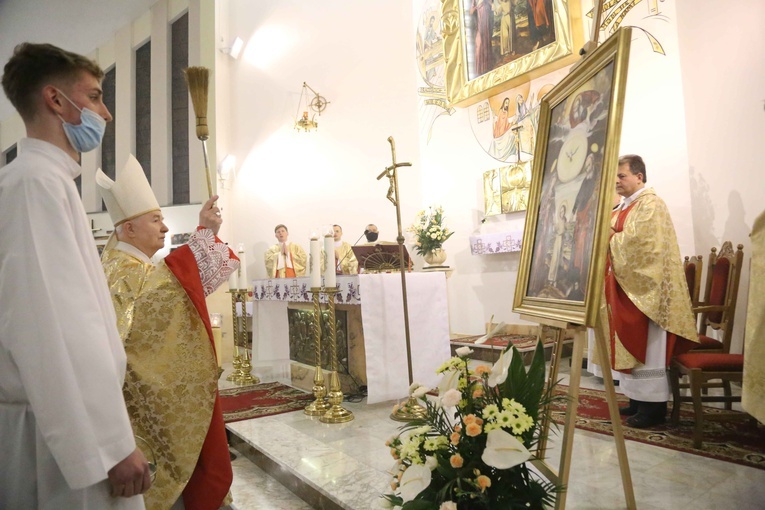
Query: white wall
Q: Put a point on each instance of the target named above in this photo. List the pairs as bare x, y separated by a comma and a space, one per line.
358, 55
724, 88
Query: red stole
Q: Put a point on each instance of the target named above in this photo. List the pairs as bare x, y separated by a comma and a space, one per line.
212, 477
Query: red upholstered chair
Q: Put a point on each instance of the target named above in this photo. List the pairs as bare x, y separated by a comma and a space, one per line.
702, 367
718, 308
711, 365
693, 267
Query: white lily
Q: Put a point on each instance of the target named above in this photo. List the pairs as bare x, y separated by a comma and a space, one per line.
464, 351
449, 380
499, 370
415, 480
431, 462
503, 450
448, 505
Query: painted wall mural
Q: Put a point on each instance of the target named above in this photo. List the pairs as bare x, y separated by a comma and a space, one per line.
430, 63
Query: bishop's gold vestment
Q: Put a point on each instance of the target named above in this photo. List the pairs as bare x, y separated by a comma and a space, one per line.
172, 375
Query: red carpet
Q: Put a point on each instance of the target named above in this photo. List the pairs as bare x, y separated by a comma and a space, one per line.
735, 441
259, 400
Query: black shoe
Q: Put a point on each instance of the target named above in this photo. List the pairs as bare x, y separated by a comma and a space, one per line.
631, 409
648, 415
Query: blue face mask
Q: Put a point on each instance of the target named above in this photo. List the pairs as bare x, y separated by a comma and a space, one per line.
86, 135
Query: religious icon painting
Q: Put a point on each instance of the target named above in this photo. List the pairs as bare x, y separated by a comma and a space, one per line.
493, 45
567, 222
492, 193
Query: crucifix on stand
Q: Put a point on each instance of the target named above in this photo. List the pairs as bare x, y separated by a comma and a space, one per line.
411, 409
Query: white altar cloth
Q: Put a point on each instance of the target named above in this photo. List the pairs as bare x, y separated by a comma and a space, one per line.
382, 316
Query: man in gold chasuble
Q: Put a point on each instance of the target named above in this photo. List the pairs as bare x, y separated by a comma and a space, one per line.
171, 387
647, 305
345, 259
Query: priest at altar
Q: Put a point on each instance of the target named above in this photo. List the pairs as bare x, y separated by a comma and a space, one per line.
171, 386
285, 259
345, 260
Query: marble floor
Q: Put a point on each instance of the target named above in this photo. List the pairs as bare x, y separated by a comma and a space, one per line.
345, 466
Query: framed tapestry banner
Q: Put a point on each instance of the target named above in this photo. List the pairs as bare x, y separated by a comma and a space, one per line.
565, 238
492, 45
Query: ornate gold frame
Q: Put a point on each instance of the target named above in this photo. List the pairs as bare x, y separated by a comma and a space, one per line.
460, 91
616, 50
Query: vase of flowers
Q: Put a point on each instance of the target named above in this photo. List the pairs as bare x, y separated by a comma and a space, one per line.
430, 234
471, 449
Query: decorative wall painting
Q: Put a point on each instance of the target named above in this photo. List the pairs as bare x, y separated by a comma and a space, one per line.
492, 45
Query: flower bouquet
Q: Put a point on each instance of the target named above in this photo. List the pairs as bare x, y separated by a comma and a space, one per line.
429, 230
471, 449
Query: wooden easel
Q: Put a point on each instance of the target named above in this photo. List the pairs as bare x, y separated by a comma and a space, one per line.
561, 476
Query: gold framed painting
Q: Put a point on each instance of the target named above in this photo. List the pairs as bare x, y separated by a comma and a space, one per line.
492, 45
565, 237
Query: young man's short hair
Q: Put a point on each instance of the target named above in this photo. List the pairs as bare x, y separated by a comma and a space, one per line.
33, 66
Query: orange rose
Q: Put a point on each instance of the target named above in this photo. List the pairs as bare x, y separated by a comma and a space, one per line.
482, 369
456, 460
483, 482
478, 393
470, 418
455, 438
473, 429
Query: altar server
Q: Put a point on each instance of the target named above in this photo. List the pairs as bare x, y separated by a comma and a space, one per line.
65, 436
171, 388
285, 259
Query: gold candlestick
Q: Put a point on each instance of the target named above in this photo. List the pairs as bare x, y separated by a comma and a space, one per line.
246, 368
319, 406
336, 413
237, 361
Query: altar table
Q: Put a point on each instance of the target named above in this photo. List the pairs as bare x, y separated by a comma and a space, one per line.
382, 316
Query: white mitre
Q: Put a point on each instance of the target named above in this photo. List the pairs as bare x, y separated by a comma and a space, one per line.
130, 196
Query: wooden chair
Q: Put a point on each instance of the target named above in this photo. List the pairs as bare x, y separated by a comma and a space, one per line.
711, 365
693, 267
702, 367
718, 309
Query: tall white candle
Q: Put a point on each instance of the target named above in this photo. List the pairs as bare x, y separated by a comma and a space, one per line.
243, 284
330, 279
233, 280
315, 262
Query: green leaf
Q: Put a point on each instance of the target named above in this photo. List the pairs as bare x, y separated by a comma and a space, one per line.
419, 504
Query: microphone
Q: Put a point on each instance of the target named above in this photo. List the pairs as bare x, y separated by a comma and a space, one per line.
339, 262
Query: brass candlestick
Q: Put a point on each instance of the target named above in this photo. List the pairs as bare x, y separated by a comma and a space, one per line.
319, 406
336, 413
237, 361
246, 368
411, 408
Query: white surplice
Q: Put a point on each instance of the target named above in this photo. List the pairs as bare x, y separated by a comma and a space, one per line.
63, 422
